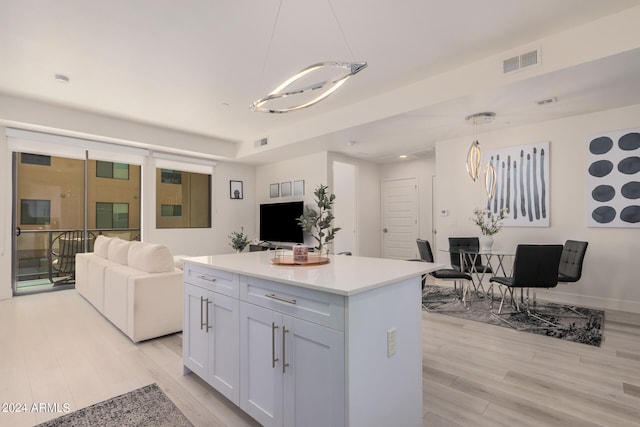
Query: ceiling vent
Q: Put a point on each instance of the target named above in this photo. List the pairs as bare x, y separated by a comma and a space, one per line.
262, 142
429, 152
520, 62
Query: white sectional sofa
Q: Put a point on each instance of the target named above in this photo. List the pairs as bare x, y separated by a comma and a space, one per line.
133, 284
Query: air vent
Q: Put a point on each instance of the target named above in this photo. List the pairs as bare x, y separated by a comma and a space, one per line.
519, 62
261, 142
424, 154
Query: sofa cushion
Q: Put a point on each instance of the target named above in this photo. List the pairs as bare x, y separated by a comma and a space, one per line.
119, 251
101, 246
151, 258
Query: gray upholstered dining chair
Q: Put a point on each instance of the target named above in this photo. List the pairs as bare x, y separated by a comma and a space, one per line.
447, 274
534, 266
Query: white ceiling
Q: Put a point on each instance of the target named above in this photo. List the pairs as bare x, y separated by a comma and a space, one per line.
196, 65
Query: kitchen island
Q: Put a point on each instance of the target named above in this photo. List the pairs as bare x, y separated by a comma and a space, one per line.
337, 344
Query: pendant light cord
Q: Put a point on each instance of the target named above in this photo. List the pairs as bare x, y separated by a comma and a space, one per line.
344, 38
273, 31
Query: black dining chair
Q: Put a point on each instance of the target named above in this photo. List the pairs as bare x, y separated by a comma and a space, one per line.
446, 274
573, 252
464, 250
534, 266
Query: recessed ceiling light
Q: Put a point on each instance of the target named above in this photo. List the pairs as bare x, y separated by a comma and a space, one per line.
61, 78
403, 156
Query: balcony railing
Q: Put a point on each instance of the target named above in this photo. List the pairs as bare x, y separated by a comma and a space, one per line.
50, 254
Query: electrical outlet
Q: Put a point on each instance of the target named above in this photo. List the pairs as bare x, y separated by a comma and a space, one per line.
391, 342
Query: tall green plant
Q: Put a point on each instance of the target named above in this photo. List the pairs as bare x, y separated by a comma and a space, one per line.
318, 222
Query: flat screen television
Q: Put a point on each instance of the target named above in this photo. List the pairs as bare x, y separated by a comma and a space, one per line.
278, 222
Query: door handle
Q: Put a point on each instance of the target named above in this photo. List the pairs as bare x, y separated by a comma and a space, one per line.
384, 230
18, 231
273, 344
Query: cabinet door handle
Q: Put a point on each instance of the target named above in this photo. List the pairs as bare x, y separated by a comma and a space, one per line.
284, 363
207, 278
201, 313
276, 297
207, 322
273, 344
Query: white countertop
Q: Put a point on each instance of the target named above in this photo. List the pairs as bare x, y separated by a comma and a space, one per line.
343, 275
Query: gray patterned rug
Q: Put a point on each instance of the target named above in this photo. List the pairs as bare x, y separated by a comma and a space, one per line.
577, 324
146, 406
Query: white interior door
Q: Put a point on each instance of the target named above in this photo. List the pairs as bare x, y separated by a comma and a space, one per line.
400, 218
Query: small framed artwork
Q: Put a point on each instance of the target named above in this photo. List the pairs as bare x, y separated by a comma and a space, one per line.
274, 190
285, 189
235, 190
298, 188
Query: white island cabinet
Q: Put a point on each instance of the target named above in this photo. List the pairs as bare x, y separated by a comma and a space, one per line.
330, 345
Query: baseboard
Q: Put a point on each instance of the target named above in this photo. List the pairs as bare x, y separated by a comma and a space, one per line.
556, 295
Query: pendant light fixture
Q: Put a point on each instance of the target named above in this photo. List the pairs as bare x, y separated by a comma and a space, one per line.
474, 155
301, 89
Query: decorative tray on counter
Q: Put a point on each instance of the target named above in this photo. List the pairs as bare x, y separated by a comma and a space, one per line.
289, 260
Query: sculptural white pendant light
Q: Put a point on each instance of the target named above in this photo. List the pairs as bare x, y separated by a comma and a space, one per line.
302, 90
490, 180
324, 88
474, 155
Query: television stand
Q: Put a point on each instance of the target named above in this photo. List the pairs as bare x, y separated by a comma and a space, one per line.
267, 246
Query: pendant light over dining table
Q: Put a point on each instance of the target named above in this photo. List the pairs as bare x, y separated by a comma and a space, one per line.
310, 85
474, 155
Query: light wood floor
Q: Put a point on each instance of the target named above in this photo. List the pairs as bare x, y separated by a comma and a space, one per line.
56, 348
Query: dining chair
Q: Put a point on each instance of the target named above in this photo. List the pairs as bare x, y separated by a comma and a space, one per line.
465, 251
573, 252
534, 266
446, 274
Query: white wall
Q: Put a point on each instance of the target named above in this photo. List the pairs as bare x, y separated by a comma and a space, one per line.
367, 204
423, 170
610, 272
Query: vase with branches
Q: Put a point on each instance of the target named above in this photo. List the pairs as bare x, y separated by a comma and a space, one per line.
489, 224
319, 222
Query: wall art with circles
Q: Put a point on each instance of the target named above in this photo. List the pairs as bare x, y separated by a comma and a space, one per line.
613, 179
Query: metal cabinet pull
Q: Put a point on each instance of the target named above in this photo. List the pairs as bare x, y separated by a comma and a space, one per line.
208, 302
273, 344
201, 313
207, 278
274, 296
284, 363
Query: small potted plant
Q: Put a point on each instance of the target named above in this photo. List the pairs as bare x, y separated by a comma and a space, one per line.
318, 222
489, 225
239, 240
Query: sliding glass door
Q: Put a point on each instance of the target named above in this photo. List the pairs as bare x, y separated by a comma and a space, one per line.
60, 206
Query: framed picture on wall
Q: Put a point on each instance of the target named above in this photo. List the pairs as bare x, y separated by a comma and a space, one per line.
285, 189
274, 190
235, 190
298, 188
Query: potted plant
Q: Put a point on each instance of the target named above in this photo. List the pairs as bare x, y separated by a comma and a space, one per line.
239, 240
489, 225
318, 222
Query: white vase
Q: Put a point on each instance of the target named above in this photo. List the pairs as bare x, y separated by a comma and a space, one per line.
486, 242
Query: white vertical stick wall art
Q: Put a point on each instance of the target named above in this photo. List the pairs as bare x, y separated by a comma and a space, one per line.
522, 184
613, 175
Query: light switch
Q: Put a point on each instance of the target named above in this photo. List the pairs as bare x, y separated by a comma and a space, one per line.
391, 342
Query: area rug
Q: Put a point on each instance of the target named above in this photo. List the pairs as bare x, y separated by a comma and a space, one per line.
146, 406
585, 327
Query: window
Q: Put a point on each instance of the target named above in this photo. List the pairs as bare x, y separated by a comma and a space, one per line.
112, 170
171, 210
183, 199
35, 212
35, 159
112, 215
168, 176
